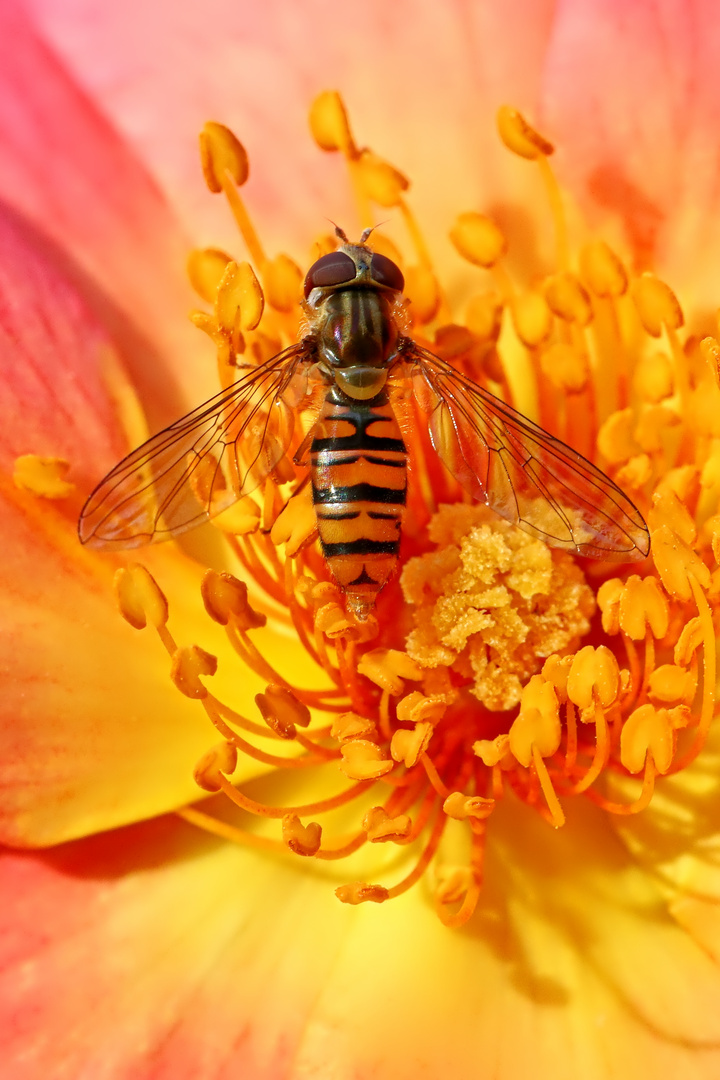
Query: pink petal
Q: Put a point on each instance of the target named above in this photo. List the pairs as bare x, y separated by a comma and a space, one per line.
64, 168
632, 98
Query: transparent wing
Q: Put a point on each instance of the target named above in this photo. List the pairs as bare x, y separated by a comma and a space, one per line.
204, 462
524, 474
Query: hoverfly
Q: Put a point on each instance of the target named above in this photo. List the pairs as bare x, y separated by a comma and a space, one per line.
354, 368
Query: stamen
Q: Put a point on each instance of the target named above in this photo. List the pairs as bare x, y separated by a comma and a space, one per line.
43, 476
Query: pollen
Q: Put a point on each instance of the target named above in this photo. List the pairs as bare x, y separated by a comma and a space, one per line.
493, 664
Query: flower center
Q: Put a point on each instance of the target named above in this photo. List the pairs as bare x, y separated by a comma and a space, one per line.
470, 679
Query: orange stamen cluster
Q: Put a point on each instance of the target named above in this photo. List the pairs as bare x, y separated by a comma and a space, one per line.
407, 727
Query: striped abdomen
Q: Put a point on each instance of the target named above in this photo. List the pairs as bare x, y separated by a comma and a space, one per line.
358, 464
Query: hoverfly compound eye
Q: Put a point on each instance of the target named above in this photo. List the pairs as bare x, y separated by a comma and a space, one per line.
386, 272
337, 268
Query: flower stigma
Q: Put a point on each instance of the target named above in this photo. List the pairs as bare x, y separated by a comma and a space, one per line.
492, 666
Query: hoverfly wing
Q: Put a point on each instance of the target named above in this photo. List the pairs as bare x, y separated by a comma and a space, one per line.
201, 464
524, 474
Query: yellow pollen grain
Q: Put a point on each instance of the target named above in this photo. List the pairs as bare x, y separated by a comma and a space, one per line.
219, 760
139, 597
42, 476
478, 239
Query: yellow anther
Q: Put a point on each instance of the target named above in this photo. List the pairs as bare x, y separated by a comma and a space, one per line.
594, 676
380, 827
675, 562
657, 305
188, 663
282, 711
239, 299
139, 597
363, 760
360, 893
332, 620
205, 268
531, 318
387, 668
382, 182
221, 760
422, 290
453, 341
672, 685
349, 725
452, 883
484, 316
647, 731
635, 473
407, 746
538, 722
616, 440
494, 751
608, 598
222, 153
329, 124
602, 271
520, 137
690, 640
302, 839
565, 367
568, 299
703, 410
282, 279
296, 524
668, 509
643, 605
478, 239
710, 353
415, 707
653, 377
653, 424
241, 518
226, 598
461, 807
555, 671
42, 476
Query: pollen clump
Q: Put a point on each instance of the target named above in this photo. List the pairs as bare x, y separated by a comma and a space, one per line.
491, 603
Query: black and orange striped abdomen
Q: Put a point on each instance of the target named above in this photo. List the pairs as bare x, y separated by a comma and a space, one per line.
358, 464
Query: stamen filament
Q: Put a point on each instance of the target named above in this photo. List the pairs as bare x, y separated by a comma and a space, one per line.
244, 224
319, 807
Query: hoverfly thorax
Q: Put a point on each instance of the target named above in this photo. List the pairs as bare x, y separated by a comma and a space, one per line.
350, 295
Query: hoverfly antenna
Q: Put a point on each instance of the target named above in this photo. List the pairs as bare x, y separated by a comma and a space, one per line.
340, 233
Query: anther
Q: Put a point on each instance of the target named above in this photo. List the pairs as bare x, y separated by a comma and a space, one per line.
484, 316
594, 675
387, 668
380, 827
282, 280
220, 761
139, 597
672, 685
568, 299
220, 153
653, 377
205, 268
225, 597
537, 724
382, 182
349, 725
239, 299
520, 137
531, 317
643, 605
363, 760
360, 893
494, 751
302, 839
602, 271
42, 476
657, 305
676, 562
461, 807
565, 367
478, 239
329, 124
282, 711
407, 746
422, 290
647, 730
188, 663
416, 706
690, 640
616, 438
